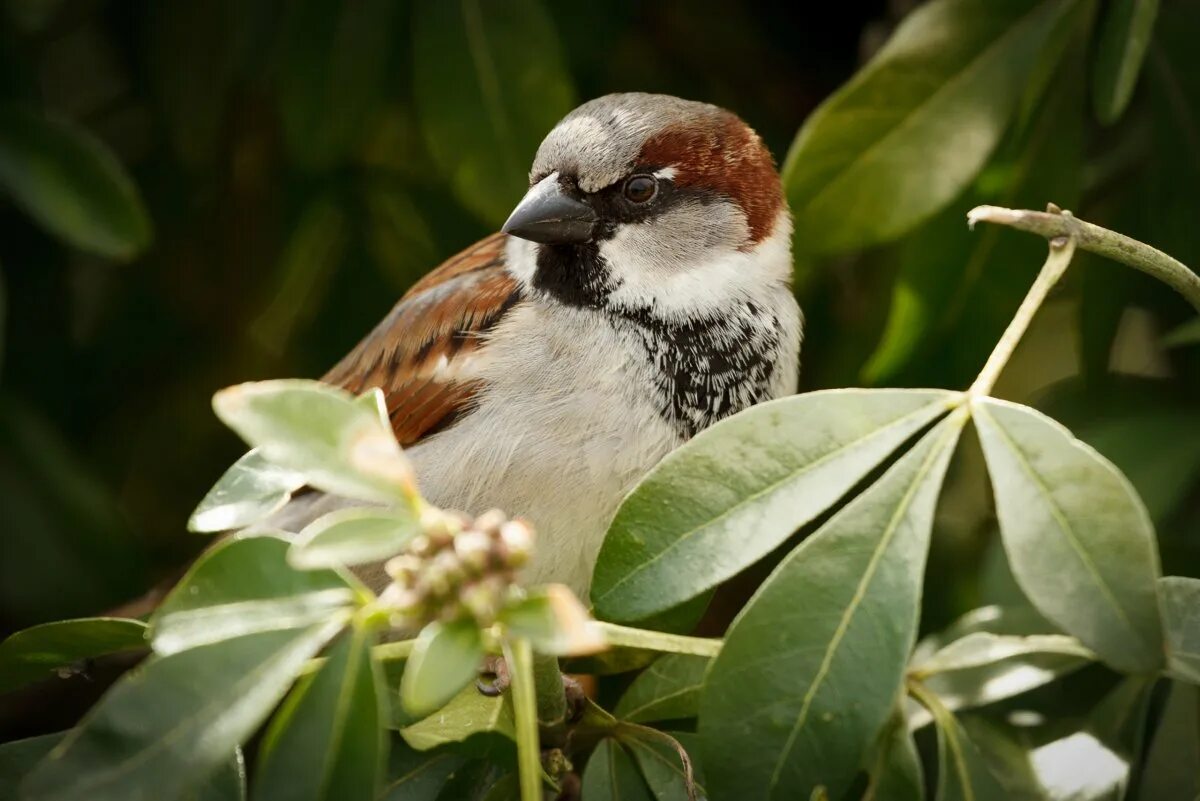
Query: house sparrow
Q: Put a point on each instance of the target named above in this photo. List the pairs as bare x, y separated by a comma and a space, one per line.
637, 294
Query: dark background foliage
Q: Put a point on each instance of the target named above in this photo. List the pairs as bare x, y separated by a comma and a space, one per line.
301, 164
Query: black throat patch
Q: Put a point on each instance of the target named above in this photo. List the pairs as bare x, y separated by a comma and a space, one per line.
574, 274
707, 369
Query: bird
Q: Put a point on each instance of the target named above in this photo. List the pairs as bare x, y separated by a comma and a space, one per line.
638, 293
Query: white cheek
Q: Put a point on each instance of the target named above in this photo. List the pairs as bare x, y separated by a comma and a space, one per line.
520, 257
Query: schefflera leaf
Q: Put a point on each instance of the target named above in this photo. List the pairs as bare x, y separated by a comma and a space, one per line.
811, 668
249, 491
34, 653
1181, 609
327, 740
737, 490
353, 536
912, 128
1078, 538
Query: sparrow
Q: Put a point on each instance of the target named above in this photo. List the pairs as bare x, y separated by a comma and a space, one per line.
638, 293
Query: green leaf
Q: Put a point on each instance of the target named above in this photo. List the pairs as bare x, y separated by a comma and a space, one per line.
241, 586
1078, 538
895, 767
334, 56
554, 621
665, 764
667, 690
353, 536
1006, 750
19, 757
418, 776
319, 431
1124, 37
963, 773
911, 129
835, 621
470, 713
170, 723
444, 659
489, 82
737, 490
249, 491
327, 740
1171, 769
68, 181
611, 775
982, 667
1108, 745
1181, 618
35, 653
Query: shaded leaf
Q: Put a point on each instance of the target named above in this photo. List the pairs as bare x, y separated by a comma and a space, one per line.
612, 775
983, 648
1172, 769
862, 171
171, 722
1110, 742
1181, 618
489, 83
738, 489
19, 757
836, 620
1124, 36
353, 536
444, 659
895, 768
327, 740
249, 491
71, 184
555, 622
1078, 538
468, 714
418, 776
963, 773
667, 690
35, 653
1186, 334
321, 432
227, 783
241, 586
1006, 752
665, 764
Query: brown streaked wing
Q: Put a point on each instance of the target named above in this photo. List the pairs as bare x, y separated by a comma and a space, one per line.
419, 354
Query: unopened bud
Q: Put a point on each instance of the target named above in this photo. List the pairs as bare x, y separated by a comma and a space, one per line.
404, 569
473, 549
482, 600
490, 522
517, 538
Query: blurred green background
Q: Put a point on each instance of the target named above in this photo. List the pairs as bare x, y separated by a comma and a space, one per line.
200, 192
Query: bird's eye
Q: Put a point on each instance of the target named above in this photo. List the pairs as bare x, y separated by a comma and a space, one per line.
641, 188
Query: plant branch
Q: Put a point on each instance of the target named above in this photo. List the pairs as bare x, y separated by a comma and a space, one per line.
645, 639
1062, 248
519, 655
1101, 241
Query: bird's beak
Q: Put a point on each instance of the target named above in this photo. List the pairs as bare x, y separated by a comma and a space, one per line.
547, 214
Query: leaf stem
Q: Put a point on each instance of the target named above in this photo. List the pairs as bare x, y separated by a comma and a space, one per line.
1062, 248
548, 685
519, 654
389, 651
658, 641
1101, 241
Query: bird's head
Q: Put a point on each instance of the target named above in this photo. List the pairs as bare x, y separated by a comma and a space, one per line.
650, 202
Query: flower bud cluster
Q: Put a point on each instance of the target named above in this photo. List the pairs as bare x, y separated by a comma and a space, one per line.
458, 568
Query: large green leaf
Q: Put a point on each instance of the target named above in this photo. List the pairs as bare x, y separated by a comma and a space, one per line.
895, 772
241, 586
1124, 38
337, 444
1078, 538
667, 690
353, 536
35, 653
444, 659
249, 491
612, 775
489, 82
1181, 617
166, 726
71, 184
1172, 769
327, 741
416, 775
835, 621
735, 492
909, 131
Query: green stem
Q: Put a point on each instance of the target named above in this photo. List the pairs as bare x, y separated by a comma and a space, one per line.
393, 650
519, 655
548, 685
657, 641
1101, 241
1061, 251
